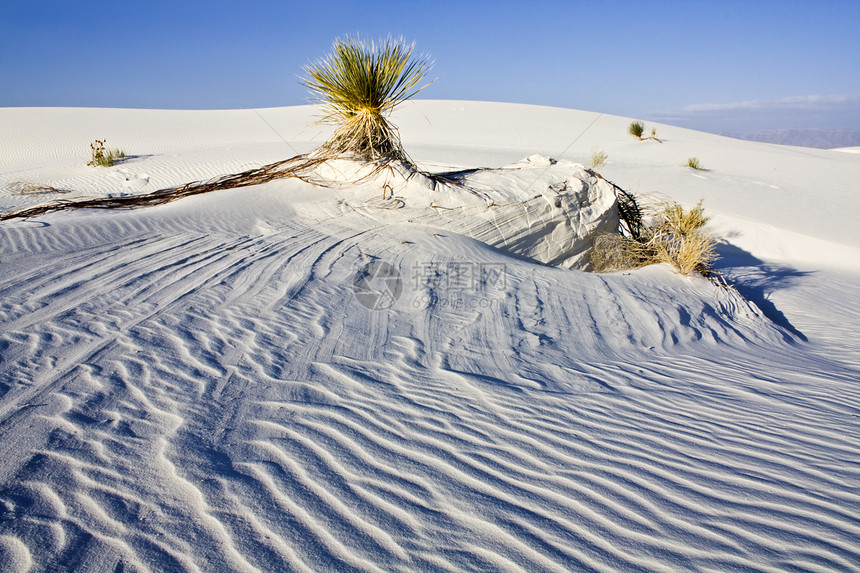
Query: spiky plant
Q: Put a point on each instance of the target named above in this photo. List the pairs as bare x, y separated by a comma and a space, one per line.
636, 129
359, 84
694, 163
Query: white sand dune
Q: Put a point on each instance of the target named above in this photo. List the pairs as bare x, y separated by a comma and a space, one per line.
197, 387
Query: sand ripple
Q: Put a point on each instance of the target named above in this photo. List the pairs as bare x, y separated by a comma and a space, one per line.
177, 395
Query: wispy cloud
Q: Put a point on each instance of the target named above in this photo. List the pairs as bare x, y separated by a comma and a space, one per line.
828, 111
809, 102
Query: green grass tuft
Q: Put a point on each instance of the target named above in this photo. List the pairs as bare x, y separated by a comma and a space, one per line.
598, 158
103, 157
636, 129
694, 163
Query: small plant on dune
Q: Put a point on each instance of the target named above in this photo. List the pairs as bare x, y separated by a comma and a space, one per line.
683, 222
689, 254
104, 157
679, 242
616, 252
359, 84
674, 237
694, 163
598, 158
637, 130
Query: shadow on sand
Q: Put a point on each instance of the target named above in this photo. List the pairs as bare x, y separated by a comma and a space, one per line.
756, 280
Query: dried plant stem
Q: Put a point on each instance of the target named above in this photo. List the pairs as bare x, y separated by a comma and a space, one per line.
300, 166
629, 210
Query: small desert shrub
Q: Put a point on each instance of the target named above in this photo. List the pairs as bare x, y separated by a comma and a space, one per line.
684, 222
614, 252
689, 254
104, 157
359, 84
598, 158
637, 130
694, 163
674, 237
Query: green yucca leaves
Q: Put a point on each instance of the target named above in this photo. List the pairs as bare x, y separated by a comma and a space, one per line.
636, 129
360, 75
358, 84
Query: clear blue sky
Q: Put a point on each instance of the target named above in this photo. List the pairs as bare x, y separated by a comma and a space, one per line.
713, 65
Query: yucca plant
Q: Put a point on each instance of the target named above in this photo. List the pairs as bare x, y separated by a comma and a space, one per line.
359, 84
636, 129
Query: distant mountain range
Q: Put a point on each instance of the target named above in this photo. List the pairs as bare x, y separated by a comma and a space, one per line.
818, 138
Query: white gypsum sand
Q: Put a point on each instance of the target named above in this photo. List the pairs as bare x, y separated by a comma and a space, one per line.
202, 386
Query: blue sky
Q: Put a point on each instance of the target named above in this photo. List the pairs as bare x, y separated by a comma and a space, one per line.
723, 66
